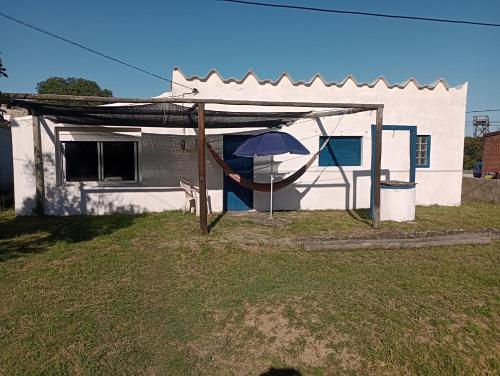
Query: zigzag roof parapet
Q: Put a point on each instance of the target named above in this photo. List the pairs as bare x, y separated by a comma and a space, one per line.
316, 77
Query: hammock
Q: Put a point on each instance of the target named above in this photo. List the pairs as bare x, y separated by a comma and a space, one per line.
261, 187
266, 187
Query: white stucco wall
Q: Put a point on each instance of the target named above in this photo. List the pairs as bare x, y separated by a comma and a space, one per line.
162, 163
438, 111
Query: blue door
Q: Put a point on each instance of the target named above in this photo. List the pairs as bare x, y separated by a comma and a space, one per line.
237, 198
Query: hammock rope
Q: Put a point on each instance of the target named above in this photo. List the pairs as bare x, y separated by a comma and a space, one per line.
266, 187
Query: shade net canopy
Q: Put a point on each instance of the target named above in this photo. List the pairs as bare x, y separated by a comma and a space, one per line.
163, 115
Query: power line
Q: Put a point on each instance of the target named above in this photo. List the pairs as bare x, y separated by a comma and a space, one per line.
494, 110
91, 50
493, 123
324, 10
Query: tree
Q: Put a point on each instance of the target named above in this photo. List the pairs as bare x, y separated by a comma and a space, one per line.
71, 86
473, 152
3, 70
2, 99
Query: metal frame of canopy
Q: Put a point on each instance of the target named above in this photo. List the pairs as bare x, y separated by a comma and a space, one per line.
346, 108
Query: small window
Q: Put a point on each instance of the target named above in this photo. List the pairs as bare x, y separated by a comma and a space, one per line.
340, 151
423, 151
113, 161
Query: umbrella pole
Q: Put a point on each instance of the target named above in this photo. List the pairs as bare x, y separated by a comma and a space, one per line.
271, 198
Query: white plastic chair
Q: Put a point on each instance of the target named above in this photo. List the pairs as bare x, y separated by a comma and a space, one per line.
192, 199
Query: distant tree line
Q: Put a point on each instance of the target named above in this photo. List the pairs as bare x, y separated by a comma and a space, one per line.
473, 152
72, 86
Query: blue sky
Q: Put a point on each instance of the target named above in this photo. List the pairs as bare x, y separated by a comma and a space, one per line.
197, 35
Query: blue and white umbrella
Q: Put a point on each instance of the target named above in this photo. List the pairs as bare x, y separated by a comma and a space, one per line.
270, 144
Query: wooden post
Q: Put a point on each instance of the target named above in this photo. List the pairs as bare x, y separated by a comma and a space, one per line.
38, 165
202, 173
378, 161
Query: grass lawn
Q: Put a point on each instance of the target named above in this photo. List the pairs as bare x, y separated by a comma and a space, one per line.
145, 294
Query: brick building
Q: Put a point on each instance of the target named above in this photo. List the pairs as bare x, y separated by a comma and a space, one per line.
491, 153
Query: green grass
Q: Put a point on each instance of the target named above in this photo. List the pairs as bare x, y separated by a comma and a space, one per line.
147, 295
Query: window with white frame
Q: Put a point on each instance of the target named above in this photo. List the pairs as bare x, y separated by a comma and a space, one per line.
100, 161
423, 151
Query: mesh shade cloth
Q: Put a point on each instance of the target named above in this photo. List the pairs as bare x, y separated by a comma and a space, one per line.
164, 115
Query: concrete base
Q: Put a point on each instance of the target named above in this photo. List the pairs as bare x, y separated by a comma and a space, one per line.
397, 204
421, 240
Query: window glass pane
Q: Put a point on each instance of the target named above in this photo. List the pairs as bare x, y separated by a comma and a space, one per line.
81, 161
423, 147
118, 161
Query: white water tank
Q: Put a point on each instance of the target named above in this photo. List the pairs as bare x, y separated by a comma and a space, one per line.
397, 201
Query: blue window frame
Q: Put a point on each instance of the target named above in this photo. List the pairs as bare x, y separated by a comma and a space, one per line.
340, 151
423, 151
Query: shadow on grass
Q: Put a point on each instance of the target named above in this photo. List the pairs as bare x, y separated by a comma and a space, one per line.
23, 235
281, 372
360, 215
216, 220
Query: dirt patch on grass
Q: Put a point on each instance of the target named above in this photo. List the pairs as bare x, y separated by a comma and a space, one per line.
261, 218
282, 337
266, 335
349, 361
63, 262
273, 324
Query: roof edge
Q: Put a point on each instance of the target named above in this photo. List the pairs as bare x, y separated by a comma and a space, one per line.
319, 77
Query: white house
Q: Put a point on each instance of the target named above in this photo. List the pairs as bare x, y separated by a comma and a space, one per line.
104, 169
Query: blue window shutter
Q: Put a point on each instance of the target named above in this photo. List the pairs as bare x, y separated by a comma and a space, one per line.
340, 151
